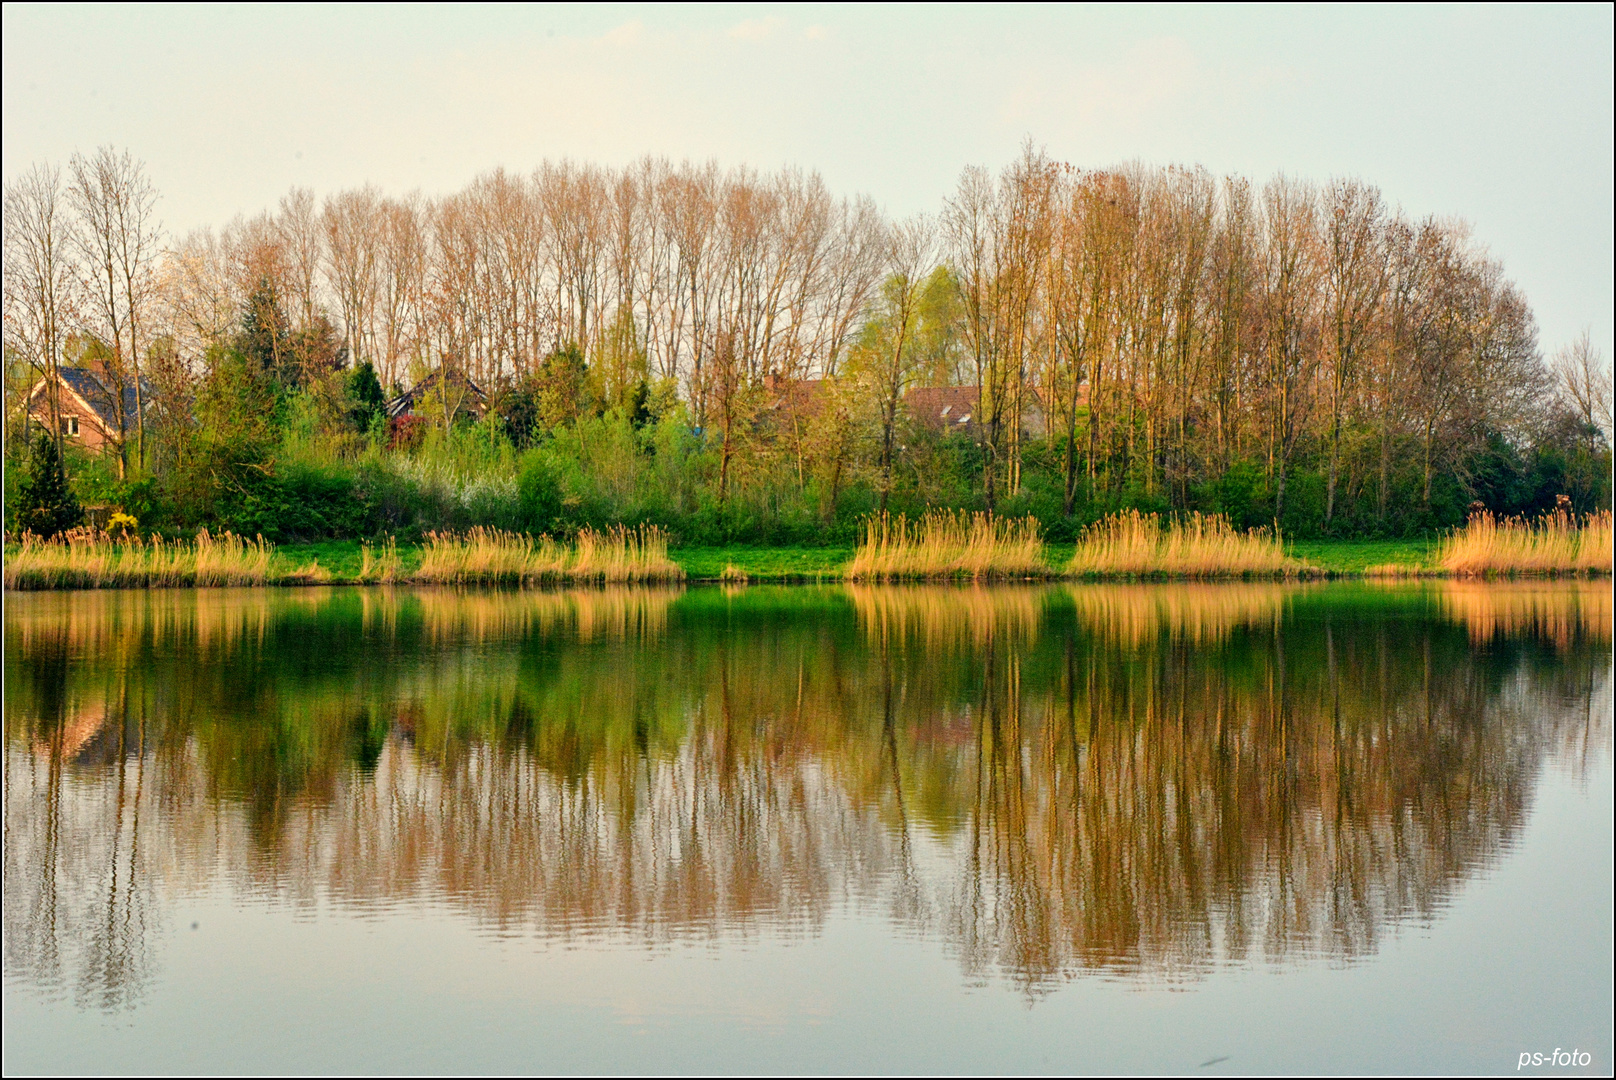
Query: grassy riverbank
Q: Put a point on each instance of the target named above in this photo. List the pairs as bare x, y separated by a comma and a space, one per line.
786, 564
342, 561
1335, 558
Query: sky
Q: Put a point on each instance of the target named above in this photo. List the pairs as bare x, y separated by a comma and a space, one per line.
1501, 116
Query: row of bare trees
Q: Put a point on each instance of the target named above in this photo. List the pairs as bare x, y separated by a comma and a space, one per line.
1167, 322
83, 249
1156, 324
676, 272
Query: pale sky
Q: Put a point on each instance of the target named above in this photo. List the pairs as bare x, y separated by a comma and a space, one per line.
1500, 116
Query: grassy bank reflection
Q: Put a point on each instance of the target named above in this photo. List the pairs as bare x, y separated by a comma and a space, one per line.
1145, 780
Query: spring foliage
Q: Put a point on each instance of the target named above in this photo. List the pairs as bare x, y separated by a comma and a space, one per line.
747, 357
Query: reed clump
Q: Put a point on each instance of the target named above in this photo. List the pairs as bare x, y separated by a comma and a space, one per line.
308, 574
1561, 542
1131, 544
90, 559
948, 544
382, 567
622, 554
494, 557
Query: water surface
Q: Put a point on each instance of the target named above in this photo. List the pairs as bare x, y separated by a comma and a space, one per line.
1065, 828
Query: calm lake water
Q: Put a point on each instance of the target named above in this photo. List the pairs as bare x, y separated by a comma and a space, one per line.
1067, 828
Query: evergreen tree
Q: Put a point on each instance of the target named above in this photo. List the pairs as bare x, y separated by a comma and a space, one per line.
265, 338
518, 406
46, 502
366, 401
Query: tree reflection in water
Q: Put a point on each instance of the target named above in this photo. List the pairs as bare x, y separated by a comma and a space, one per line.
1139, 780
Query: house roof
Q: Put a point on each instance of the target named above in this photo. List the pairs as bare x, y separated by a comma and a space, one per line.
797, 397
953, 408
407, 401
88, 387
947, 407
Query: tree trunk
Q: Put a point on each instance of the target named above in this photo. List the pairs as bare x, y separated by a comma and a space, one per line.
1071, 461
1335, 468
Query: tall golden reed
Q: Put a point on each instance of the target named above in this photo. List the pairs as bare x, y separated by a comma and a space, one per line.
89, 559
493, 557
948, 544
1557, 543
384, 567
1131, 544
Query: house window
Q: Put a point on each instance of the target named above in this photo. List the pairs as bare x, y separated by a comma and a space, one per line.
70, 426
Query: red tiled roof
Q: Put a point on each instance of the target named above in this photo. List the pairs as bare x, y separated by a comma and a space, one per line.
945, 407
799, 397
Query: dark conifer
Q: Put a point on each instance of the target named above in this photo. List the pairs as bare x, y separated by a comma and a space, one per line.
47, 503
366, 402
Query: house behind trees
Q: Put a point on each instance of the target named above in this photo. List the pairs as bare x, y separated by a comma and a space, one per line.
453, 393
88, 410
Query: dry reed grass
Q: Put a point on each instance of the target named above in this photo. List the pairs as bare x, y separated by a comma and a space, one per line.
492, 557
948, 544
310, 574
90, 559
1131, 544
384, 567
1557, 543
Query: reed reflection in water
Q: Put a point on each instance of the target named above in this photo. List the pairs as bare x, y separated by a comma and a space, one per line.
1144, 781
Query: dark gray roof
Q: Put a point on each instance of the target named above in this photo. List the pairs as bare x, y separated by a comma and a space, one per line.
88, 385
406, 401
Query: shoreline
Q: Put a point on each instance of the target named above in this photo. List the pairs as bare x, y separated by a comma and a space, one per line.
338, 563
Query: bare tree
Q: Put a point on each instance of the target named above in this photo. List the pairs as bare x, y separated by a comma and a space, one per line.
1290, 273
352, 231
1584, 383
303, 235
403, 260
910, 249
200, 298
999, 235
1232, 284
119, 239
40, 278
1354, 282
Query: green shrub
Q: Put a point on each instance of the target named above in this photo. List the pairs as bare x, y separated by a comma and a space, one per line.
538, 493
